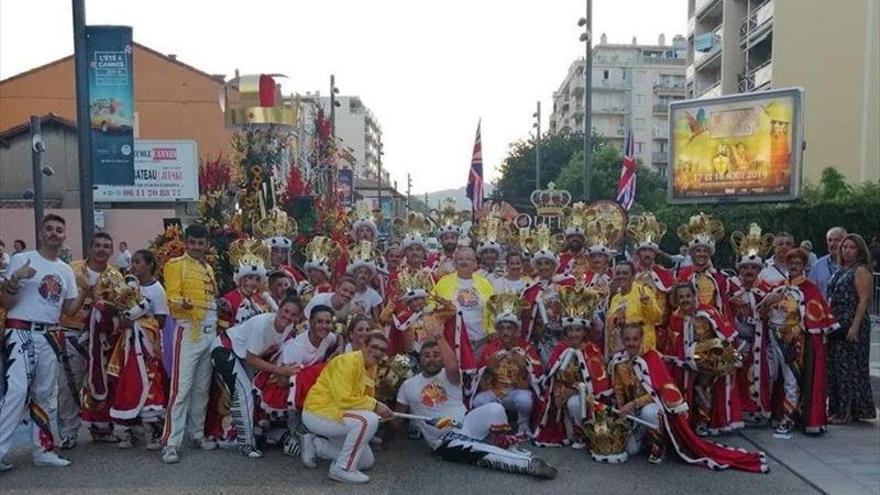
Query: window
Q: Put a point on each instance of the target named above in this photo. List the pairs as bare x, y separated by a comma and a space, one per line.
639, 76
623, 71
640, 100
605, 75
638, 123
639, 146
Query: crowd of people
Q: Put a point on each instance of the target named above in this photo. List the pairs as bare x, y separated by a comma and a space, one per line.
503, 336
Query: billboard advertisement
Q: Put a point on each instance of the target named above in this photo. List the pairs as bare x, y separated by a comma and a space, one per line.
164, 171
111, 104
345, 186
742, 148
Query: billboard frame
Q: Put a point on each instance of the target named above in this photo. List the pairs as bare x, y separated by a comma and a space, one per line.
798, 146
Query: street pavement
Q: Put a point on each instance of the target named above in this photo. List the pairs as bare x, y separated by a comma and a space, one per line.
406, 467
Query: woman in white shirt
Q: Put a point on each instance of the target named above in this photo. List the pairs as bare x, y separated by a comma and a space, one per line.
513, 280
358, 328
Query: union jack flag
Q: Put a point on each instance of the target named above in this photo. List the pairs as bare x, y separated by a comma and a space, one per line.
626, 186
475, 177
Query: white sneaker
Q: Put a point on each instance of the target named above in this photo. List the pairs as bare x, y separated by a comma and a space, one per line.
291, 447
205, 443
576, 445
50, 459
6, 465
308, 455
169, 455
353, 477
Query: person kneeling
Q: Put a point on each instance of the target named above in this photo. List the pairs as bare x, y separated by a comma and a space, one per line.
436, 393
342, 415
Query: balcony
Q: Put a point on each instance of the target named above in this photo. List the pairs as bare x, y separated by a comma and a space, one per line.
763, 75
661, 109
662, 61
610, 110
659, 157
707, 48
757, 24
608, 85
661, 133
710, 9
709, 91
669, 89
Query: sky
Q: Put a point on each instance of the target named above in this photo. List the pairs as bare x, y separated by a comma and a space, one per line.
428, 70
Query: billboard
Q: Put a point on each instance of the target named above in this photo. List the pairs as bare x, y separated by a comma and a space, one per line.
111, 104
742, 148
164, 171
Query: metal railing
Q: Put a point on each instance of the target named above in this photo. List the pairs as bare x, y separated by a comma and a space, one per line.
659, 157
755, 21
661, 109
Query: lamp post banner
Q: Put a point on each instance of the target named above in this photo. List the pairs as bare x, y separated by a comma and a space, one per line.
111, 104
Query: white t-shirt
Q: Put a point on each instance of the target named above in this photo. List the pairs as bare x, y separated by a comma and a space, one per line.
467, 300
123, 259
41, 296
365, 301
155, 293
256, 335
432, 397
773, 273
300, 350
324, 300
504, 285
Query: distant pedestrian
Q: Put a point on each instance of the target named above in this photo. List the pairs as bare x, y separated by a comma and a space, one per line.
123, 259
827, 265
808, 247
18, 246
4, 258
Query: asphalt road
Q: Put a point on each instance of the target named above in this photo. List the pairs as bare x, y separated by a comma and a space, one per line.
406, 468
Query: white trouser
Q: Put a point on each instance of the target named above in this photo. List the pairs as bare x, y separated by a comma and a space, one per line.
636, 440
70, 375
478, 422
190, 383
779, 366
238, 381
516, 399
345, 442
28, 362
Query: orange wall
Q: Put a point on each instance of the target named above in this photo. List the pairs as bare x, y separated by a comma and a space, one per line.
171, 100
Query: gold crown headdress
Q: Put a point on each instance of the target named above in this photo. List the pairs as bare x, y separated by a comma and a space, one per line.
248, 257
605, 226
113, 290
412, 230
414, 283
363, 254
391, 374
646, 231
540, 242
550, 202
751, 247
701, 230
576, 218
277, 229
447, 218
321, 253
578, 304
363, 216
608, 436
505, 307
491, 231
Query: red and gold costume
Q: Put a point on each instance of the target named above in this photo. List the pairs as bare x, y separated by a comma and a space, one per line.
712, 285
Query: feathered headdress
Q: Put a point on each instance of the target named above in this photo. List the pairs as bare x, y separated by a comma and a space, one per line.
447, 218
578, 304
606, 224
362, 216
701, 230
363, 254
505, 307
277, 229
412, 230
413, 284
248, 257
321, 254
540, 243
751, 247
646, 231
490, 232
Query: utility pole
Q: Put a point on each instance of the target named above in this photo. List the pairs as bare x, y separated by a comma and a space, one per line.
37, 149
333, 91
426, 203
83, 125
587, 38
537, 126
379, 177
408, 190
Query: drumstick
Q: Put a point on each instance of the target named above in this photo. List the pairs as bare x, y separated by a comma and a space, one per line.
630, 417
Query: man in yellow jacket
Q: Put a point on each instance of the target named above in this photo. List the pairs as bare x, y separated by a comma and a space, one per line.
342, 415
192, 293
631, 303
469, 292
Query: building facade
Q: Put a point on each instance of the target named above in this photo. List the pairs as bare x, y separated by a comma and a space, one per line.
632, 88
360, 136
831, 49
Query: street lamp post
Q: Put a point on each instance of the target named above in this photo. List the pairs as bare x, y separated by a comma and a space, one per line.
537, 126
587, 38
379, 176
37, 149
83, 124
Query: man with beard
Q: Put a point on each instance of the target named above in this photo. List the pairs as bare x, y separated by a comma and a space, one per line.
339, 300
38, 289
712, 286
449, 230
436, 393
76, 348
826, 266
574, 249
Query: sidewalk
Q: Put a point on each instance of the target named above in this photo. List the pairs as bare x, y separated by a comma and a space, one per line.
845, 460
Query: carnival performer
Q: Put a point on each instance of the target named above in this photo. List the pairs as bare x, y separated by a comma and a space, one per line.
249, 258
798, 318
468, 292
76, 347
342, 415
643, 388
358, 327
574, 227
363, 262
632, 302
412, 231
278, 232
747, 291
192, 293
700, 234
509, 367
513, 280
340, 300
482, 436
38, 288
280, 396
542, 313
407, 314
252, 344
646, 232
597, 274
322, 254
140, 392
279, 285
488, 235
448, 222
576, 364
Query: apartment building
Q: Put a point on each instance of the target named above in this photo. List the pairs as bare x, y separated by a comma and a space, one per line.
632, 87
360, 136
831, 49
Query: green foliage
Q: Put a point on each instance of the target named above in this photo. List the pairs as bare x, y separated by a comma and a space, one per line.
834, 185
